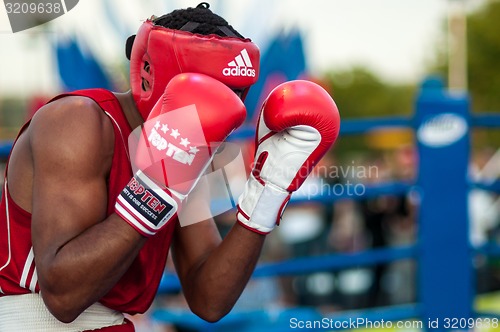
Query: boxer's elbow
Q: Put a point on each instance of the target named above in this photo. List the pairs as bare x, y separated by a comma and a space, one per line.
212, 312
59, 298
210, 316
61, 307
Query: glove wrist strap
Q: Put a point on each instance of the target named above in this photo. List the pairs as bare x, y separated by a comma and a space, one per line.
261, 205
144, 205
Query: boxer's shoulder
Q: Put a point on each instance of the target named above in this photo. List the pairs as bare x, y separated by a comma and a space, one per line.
72, 127
73, 117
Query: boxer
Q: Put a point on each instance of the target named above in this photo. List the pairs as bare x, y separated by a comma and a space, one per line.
84, 236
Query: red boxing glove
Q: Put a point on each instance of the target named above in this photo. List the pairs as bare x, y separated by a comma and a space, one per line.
298, 124
177, 142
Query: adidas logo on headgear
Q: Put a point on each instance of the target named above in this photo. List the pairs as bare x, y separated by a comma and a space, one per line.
240, 66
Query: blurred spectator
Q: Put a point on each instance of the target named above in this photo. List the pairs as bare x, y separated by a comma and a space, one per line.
375, 223
484, 206
389, 220
484, 216
303, 231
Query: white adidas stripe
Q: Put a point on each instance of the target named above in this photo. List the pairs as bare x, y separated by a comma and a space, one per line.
245, 56
34, 281
241, 60
26, 269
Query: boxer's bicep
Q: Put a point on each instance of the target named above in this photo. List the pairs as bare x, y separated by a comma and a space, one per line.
69, 182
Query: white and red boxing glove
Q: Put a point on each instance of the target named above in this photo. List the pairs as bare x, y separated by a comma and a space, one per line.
298, 124
177, 142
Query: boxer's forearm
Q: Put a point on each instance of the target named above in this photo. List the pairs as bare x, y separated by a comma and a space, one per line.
85, 268
213, 287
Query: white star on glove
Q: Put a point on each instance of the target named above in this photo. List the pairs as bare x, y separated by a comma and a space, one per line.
174, 133
164, 128
185, 142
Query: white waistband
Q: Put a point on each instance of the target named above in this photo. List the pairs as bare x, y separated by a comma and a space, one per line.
28, 313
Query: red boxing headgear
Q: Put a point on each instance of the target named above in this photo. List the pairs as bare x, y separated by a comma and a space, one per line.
159, 53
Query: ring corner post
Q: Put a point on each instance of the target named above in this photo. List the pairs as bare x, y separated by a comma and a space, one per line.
446, 279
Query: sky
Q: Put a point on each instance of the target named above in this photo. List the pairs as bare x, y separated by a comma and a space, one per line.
394, 38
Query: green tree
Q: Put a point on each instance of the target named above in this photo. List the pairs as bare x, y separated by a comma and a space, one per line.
483, 54
483, 48
483, 67
360, 93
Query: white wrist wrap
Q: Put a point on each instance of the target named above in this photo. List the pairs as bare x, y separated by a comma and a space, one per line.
260, 206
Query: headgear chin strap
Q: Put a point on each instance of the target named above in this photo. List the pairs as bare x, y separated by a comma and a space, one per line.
159, 53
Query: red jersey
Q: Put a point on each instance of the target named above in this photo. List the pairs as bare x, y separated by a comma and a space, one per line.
137, 288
